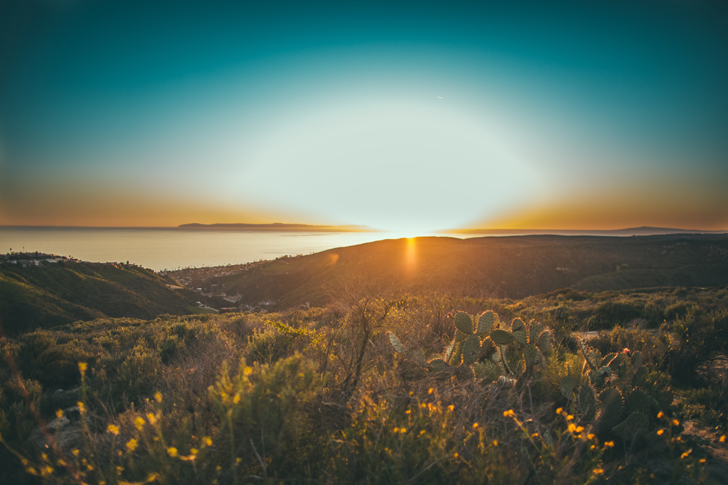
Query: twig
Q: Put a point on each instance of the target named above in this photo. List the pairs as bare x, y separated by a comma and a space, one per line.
260, 460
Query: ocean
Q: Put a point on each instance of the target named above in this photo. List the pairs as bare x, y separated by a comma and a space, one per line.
170, 249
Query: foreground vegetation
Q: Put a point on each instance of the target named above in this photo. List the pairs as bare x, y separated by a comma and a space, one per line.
354, 392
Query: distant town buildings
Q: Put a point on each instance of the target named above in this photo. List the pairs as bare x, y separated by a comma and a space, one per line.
24, 260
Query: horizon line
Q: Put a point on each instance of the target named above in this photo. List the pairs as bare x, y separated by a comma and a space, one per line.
298, 227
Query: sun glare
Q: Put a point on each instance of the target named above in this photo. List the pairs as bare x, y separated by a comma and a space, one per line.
410, 254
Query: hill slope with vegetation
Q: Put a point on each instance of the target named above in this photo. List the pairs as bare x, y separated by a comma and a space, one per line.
511, 267
54, 294
421, 389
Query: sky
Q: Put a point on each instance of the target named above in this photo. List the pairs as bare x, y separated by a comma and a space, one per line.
404, 116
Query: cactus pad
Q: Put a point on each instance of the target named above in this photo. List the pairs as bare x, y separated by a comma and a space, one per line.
640, 377
448, 351
568, 383
637, 359
486, 322
586, 356
587, 403
395, 343
611, 409
633, 427
544, 343
616, 362
439, 369
471, 349
460, 336
608, 358
531, 354
518, 330
464, 323
486, 370
501, 337
637, 401
456, 357
536, 331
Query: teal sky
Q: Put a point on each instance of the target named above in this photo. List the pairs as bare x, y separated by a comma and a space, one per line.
409, 116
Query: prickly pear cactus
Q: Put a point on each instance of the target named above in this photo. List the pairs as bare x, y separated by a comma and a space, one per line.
629, 400
488, 349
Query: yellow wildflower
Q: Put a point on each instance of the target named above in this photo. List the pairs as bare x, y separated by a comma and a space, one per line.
475, 425
685, 455
598, 471
509, 413
675, 422
430, 391
590, 436
236, 399
660, 432
609, 444
158, 396
722, 439
495, 442
59, 413
455, 455
660, 414
450, 408
132, 444
113, 429
139, 423
82, 366
569, 417
207, 440
558, 411
247, 370
572, 427
81, 407
172, 451
75, 452
151, 418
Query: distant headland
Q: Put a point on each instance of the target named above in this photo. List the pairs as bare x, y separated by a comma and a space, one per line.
278, 226
633, 231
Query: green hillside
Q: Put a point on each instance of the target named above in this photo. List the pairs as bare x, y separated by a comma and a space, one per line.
54, 294
511, 267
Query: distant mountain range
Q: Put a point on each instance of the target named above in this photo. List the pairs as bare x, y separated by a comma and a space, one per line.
278, 226
633, 231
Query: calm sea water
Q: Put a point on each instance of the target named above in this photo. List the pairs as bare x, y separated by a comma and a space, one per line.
161, 249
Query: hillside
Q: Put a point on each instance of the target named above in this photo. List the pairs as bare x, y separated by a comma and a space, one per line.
510, 267
54, 294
